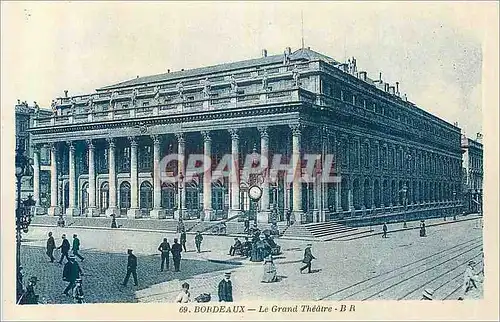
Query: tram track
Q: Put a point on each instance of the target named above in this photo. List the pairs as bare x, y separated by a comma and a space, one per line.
368, 283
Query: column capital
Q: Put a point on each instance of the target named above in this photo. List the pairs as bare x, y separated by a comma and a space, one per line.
263, 132
180, 138
133, 141
53, 146
234, 134
90, 144
156, 139
206, 136
111, 142
296, 129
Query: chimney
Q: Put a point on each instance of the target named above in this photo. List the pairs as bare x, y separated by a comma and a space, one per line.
386, 87
479, 137
362, 75
405, 98
391, 90
288, 50
380, 77
397, 88
182, 69
168, 70
65, 93
264, 52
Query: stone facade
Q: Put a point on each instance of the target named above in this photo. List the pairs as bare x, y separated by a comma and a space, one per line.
393, 159
472, 174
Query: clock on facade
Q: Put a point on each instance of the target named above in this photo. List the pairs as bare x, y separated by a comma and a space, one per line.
255, 192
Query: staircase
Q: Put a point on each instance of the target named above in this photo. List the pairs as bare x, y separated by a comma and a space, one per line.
324, 231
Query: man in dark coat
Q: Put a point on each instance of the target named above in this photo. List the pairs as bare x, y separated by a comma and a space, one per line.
236, 247
51, 245
183, 239
247, 247
384, 228
308, 257
131, 268
76, 247
288, 217
226, 289
197, 241
71, 273
176, 255
422, 229
64, 247
113, 221
164, 249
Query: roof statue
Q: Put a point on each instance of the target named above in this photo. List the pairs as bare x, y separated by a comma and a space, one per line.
133, 98
234, 84
180, 89
264, 79
90, 103
112, 99
295, 75
37, 107
206, 87
53, 106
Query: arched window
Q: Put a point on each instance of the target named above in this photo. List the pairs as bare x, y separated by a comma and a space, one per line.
367, 194
356, 193
344, 194
146, 202
192, 196
104, 197
125, 195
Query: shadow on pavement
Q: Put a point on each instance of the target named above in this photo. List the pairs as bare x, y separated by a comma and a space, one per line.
103, 274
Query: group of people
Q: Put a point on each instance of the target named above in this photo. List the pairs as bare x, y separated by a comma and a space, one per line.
72, 271
224, 290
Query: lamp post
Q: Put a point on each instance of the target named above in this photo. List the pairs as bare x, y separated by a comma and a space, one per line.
454, 198
181, 186
405, 191
23, 214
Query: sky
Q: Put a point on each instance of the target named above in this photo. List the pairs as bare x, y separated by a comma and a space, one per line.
434, 50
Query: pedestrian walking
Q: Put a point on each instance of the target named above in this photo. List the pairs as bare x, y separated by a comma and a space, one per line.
197, 241
308, 257
470, 280
131, 268
76, 247
164, 249
184, 296
422, 229
113, 221
51, 245
183, 239
384, 228
288, 217
226, 289
71, 273
176, 251
427, 294
64, 247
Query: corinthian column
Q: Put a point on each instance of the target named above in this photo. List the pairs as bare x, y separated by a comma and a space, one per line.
181, 192
71, 210
207, 176
91, 210
235, 173
36, 175
54, 209
112, 209
134, 211
263, 214
297, 182
157, 211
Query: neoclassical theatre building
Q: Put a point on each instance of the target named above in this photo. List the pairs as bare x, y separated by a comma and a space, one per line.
392, 158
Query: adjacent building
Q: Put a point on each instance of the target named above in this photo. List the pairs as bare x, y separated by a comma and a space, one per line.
395, 161
472, 174
25, 116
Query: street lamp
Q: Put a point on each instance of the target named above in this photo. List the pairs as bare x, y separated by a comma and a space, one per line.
405, 191
23, 213
454, 198
181, 186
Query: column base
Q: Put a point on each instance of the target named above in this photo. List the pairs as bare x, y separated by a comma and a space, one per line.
235, 212
134, 213
92, 212
157, 213
298, 216
208, 215
72, 212
37, 210
54, 211
263, 217
112, 211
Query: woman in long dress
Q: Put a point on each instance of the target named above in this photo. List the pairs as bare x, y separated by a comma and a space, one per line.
269, 270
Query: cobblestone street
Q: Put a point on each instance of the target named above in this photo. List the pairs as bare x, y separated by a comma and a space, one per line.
398, 267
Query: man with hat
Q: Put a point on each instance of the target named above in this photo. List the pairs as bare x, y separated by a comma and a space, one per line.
427, 294
470, 279
76, 247
226, 288
308, 257
176, 251
64, 247
164, 249
131, 268
51, 245
71, 273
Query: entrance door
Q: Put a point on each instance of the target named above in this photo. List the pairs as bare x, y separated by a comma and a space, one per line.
85, 198
146, 198
104, 198
124, 198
